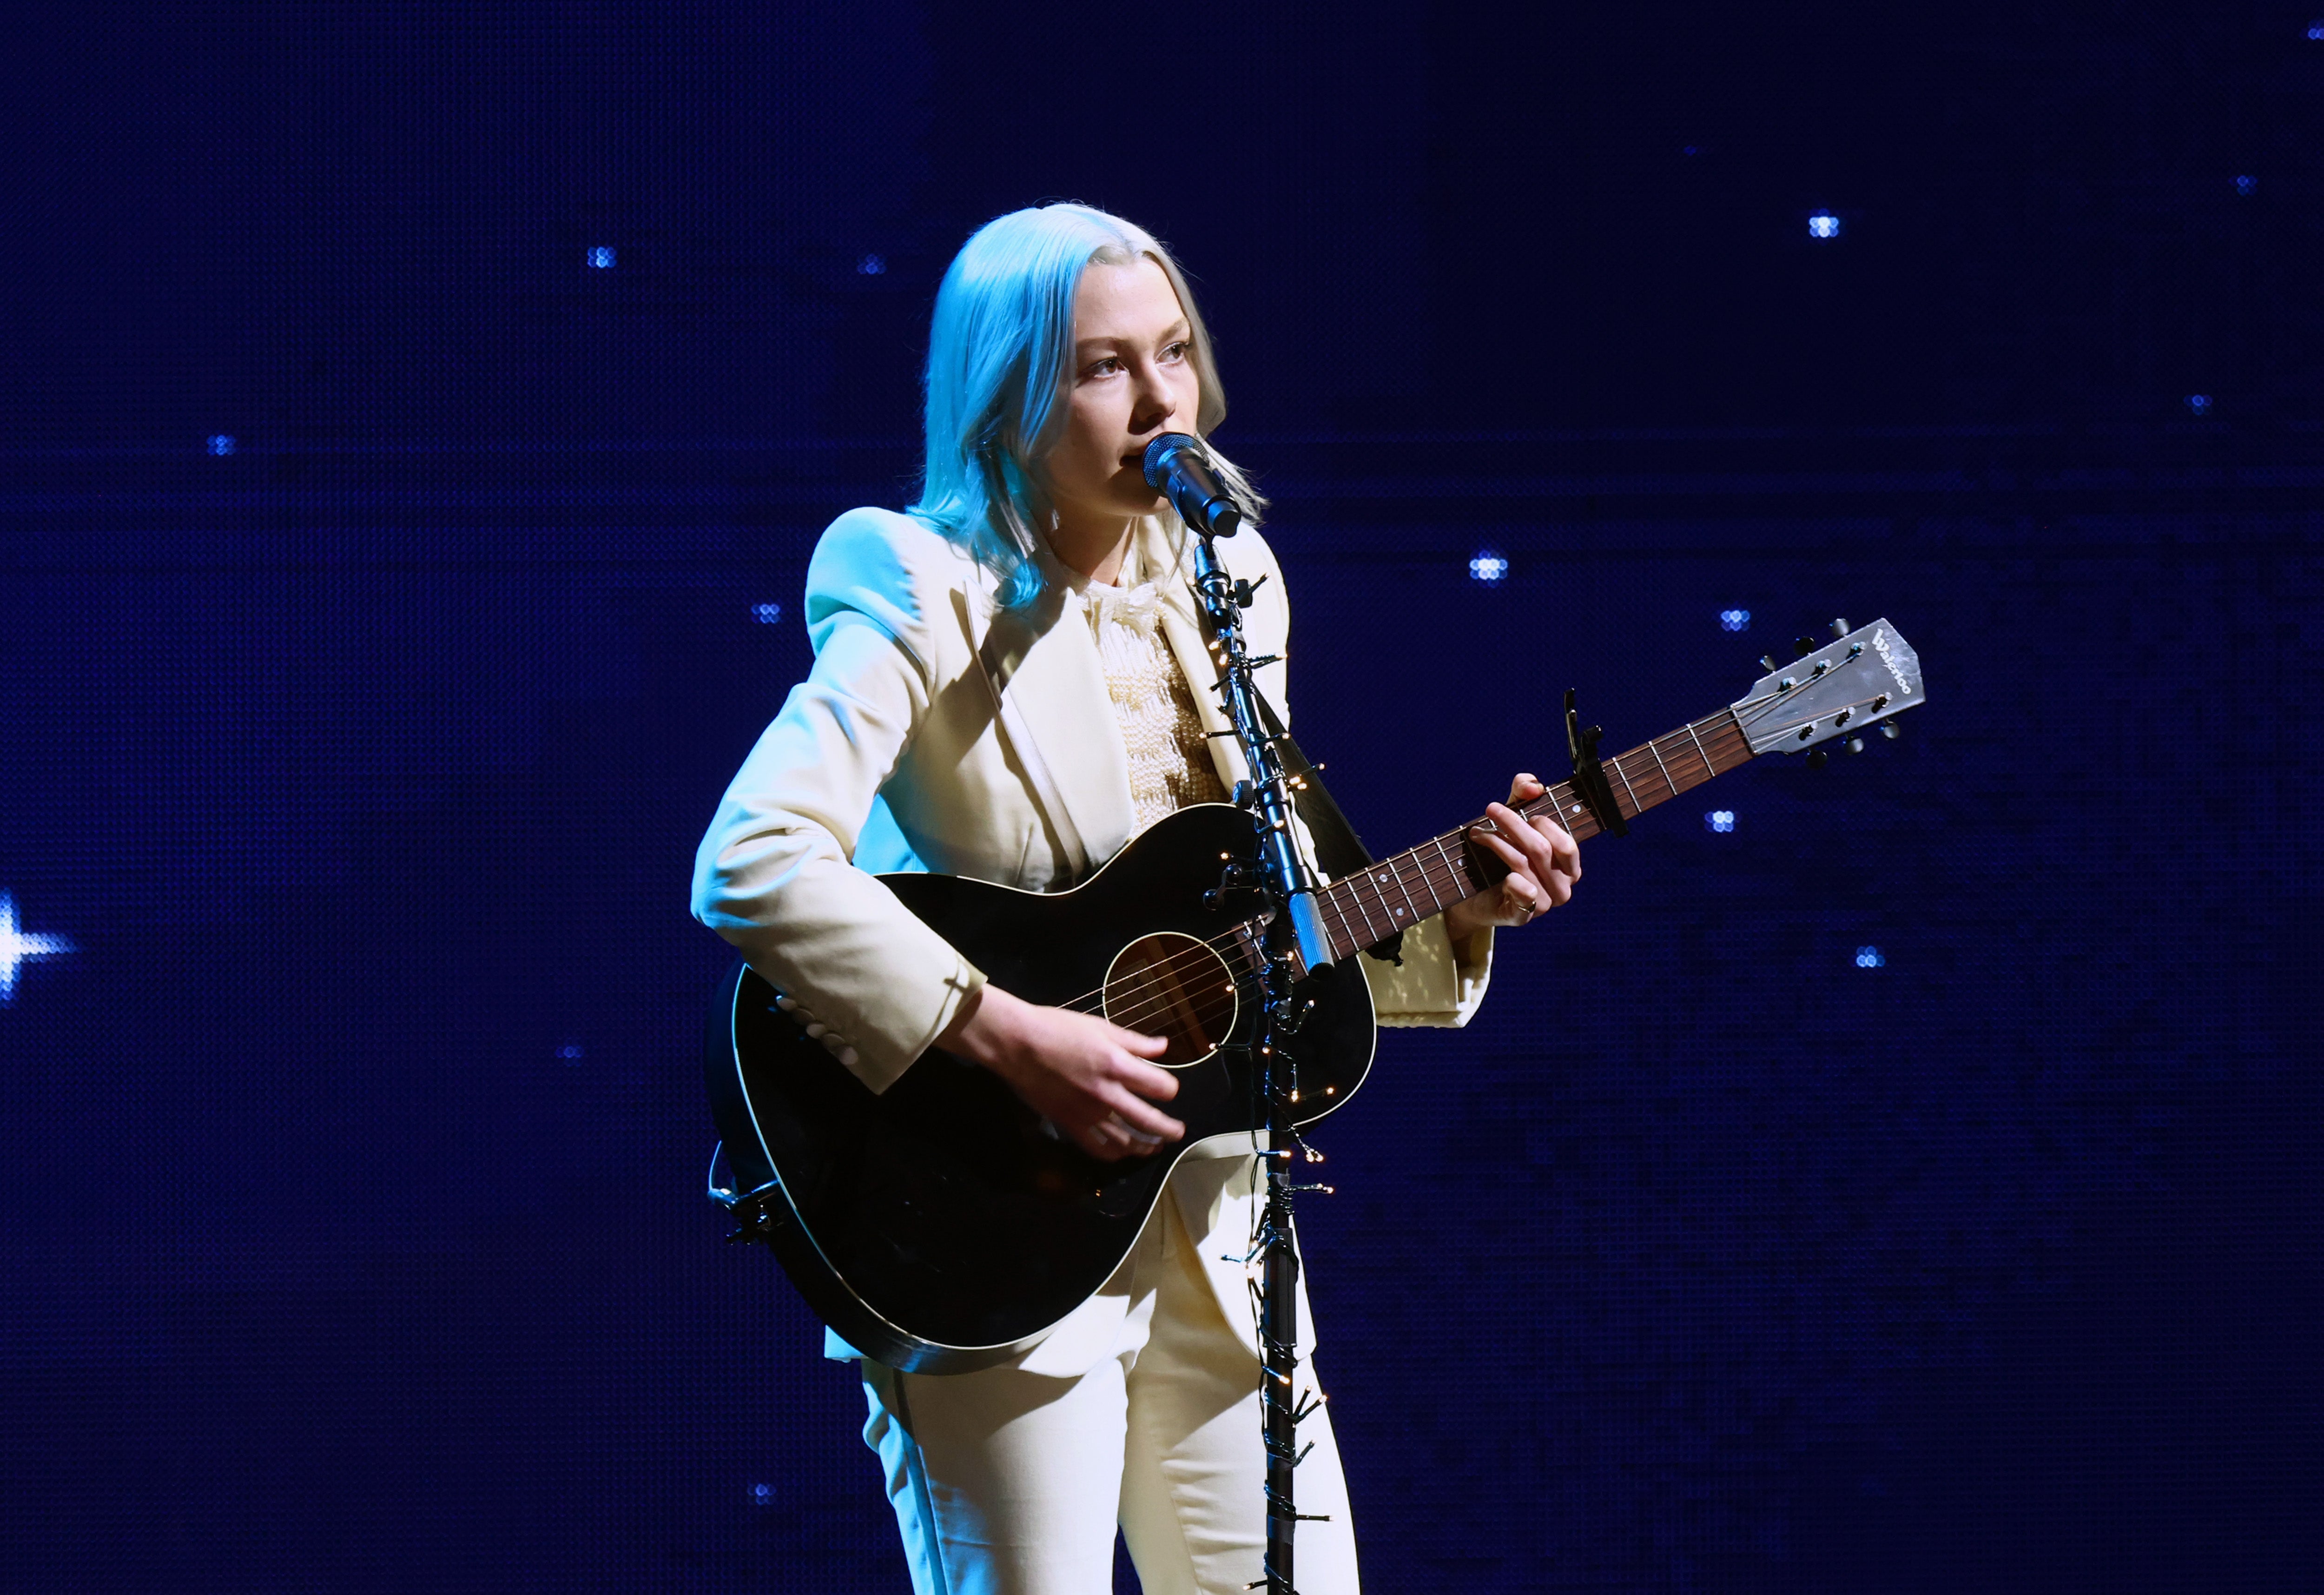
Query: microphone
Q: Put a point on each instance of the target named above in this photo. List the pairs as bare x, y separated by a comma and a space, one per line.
1176, 465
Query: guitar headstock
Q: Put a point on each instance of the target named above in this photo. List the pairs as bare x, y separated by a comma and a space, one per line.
1841, 689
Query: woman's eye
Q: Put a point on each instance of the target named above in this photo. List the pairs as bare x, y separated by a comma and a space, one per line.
1177, 351
1105, 367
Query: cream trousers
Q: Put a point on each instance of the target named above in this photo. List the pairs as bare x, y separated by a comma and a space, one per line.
1011, 1483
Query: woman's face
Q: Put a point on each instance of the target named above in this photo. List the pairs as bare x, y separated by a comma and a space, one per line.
1132, 379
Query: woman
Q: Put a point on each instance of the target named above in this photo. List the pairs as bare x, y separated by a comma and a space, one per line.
1002, 688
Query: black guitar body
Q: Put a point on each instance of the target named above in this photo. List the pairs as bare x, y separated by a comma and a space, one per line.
940, 1226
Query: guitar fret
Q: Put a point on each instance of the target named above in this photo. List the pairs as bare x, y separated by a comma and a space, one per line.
1391, 888
1410, 906
1356, 891
1615, 766
1432, 895
1708, 769
1430, 899
1377, 898
1731, 733
1421, 907
1344, 939
1456, 874
1353, 915
1657, 752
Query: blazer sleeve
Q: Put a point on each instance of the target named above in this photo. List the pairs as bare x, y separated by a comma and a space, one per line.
774, 874
1439, 982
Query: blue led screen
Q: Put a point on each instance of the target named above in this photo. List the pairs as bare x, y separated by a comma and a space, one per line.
416, 426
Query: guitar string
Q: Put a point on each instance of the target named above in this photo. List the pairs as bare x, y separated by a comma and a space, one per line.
1185, 967
1150, 999
1147, 998
1189, 964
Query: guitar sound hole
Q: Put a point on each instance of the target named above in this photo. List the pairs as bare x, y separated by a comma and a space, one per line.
1172, 985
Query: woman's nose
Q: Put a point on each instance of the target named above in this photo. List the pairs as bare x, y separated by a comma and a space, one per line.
1156, 402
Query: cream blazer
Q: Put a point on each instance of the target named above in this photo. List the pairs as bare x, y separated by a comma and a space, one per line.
937, 730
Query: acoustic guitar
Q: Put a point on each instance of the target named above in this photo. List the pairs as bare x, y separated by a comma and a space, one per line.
942, 1225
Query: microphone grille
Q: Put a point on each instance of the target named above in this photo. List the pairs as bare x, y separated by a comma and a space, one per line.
1163, 450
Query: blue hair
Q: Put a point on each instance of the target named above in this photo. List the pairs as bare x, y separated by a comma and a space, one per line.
1000, 352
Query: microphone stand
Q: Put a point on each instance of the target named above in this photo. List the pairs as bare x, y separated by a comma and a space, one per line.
1297, 947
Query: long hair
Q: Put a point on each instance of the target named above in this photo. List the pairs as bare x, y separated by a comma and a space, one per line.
1001, 352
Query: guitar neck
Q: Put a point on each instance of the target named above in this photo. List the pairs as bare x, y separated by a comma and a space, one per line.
1364, 909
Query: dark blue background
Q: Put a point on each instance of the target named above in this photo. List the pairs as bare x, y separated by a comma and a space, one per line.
353, 1154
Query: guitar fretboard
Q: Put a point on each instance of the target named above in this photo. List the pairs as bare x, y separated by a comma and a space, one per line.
1364, 909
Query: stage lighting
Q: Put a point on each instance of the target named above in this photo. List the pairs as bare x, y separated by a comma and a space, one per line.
602, 257
1870, 958
1823, 224
221, 445
2246, 183
1488, 566
1721, 820
1734, 620
766, 614
871, 266
17, 949
2201, 403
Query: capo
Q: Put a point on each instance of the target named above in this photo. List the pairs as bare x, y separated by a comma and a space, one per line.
1589, 776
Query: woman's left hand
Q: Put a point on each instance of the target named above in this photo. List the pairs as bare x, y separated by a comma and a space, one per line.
1544, 863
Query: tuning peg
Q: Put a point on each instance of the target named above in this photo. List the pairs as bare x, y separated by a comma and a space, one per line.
1855, 744
1891, 730
1818, 759
1802, 646
1767, 663
1839, 629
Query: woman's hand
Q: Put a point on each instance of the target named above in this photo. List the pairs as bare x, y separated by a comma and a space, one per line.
1084, 1076
1543, 864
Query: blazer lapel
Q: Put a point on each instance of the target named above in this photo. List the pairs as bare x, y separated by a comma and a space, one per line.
1049, 690
1190, 644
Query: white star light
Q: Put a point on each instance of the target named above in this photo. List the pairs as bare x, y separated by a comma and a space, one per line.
16, 947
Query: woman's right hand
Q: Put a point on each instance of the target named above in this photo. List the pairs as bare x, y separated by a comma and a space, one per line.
1088, 1077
